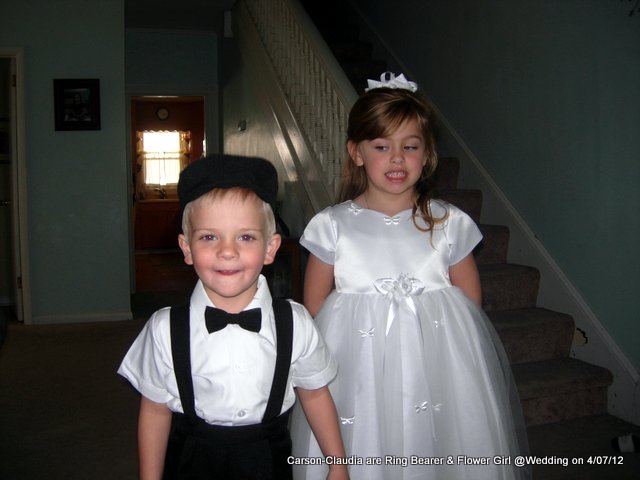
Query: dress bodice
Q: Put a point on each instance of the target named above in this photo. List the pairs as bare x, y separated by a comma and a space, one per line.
366, 246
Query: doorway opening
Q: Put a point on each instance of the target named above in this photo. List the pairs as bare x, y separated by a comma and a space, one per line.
167, 133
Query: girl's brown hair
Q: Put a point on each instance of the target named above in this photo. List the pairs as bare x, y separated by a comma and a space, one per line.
378, 113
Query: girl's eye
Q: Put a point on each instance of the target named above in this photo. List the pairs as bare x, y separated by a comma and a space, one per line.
208, 237
380, 148
247, 237
411, 147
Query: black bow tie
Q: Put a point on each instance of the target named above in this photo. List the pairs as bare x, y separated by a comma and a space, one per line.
217, 319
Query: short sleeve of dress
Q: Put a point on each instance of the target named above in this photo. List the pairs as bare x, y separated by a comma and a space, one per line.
462, 234
147, 365
312, 365
319, 236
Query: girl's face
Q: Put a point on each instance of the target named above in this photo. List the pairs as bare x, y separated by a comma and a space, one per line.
393, 164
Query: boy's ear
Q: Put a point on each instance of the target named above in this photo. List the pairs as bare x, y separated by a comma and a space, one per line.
186, 250
272, 248
352, 148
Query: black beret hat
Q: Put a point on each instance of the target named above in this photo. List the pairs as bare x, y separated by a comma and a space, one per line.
227, 171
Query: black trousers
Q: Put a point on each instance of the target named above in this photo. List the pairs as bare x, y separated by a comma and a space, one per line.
197, 450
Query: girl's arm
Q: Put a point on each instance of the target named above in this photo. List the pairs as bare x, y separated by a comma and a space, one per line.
464, 274
321, 414
154, 424
318, 284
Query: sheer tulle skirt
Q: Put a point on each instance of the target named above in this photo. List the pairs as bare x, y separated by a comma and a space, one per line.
433, 398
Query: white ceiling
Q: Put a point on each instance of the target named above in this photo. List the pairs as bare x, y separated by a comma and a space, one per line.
176, 15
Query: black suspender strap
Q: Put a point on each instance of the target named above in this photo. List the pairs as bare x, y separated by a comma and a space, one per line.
181, 354
284, 345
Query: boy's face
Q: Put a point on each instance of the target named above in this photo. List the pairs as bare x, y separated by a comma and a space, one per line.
228, 247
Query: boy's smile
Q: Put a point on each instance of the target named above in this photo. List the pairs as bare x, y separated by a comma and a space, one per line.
228, 246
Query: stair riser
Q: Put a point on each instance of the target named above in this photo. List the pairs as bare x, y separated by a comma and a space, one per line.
351, 51
531, 347
494, 245
533, 335
446, 175
509, 292
361, 71
544, 410
469, 201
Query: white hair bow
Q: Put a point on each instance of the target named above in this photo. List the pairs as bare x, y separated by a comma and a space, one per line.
389, 80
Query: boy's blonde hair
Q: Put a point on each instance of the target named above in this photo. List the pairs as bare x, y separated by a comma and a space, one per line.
218, 193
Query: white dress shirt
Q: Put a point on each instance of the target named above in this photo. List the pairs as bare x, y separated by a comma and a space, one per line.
233, 368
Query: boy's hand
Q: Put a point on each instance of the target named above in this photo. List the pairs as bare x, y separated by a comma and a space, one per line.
338, 472
321, 414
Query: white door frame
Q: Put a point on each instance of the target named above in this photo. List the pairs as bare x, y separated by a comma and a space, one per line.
19, 186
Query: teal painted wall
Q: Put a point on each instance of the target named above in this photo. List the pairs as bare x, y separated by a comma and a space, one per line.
172, 60
76, 181
176, 63
546, 94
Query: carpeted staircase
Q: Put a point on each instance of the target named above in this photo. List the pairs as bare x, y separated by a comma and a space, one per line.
553, 387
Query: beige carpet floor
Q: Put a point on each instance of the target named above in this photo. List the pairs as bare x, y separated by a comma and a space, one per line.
65, 413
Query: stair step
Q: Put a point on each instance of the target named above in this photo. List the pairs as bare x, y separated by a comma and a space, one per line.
494, 245
327, 13
469, 201
358, 71
561, 389
344, 51
508, 286
580, 439
446, 175
533, 334
338, 33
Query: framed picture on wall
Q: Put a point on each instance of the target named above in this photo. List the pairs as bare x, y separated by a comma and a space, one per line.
77, 104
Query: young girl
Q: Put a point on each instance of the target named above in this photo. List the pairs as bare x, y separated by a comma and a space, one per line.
424, 390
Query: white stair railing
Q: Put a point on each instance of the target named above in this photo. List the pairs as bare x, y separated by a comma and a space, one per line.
318, 91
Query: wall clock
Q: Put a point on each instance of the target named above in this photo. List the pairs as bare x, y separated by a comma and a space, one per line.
162, 113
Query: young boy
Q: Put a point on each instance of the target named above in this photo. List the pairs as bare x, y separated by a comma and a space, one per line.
217, 377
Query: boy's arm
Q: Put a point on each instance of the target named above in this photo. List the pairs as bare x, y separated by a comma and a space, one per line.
154, 424
321, 414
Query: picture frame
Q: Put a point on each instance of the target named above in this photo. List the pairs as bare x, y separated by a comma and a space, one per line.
77, 104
